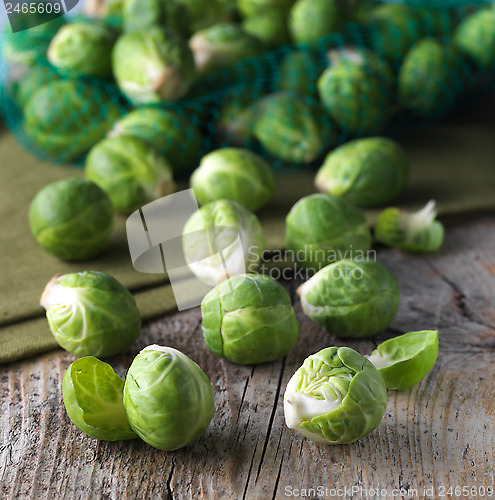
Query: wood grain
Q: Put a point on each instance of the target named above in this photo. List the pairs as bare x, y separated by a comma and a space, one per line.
438, 434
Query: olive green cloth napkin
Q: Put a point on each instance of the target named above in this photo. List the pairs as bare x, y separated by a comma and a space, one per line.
452, 162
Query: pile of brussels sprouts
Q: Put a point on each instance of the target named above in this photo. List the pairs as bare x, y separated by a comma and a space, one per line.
159, 52
338, 70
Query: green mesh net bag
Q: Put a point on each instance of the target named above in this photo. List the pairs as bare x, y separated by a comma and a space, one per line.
289, 79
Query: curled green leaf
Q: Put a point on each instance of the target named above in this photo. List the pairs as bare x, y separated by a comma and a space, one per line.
405, 360
92, 394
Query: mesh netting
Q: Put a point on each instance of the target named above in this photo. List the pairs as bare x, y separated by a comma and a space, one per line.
398, 69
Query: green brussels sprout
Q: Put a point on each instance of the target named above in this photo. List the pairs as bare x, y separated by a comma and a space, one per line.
355, 97
254, 8
475, 37
237, 116
249, 319
429, 79
293, 129
168, 132
220, 240
367, 172
167, 398
310, 20
60, 118
299, 71
144, 14
271, 30
222, 45
153, 65
203, 13
395, 28
336, 397
234, 174
414, 232
351, 298
368, 60
321, 229
91, 314
35, 78
71, 219
405, 360
92, 394
129, 171
83, 49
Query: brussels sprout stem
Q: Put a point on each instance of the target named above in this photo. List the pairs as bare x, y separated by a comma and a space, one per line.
301, 406
421, 220
54, 293
350, 54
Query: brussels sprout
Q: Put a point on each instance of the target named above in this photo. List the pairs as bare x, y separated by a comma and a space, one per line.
416, 232
221, 45
299, 71
405, 360
35, 78
129, 171
336, 397
168, 132
253, 8
475, 36
64, 119
293, 129
92, 394
71, 219
271, 30
234, 174
395, 28
429, 79
367, 172
368, 60
237, 116
153, 65
249, 319
311, 20
167, 398
144, 14
203, 13
220, 240
91, 313
83, 49
351, 299
355, 97
321, 229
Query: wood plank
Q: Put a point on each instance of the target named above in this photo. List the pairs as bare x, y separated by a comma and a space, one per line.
439, 433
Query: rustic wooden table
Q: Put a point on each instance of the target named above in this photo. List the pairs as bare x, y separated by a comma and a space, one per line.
434, 438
